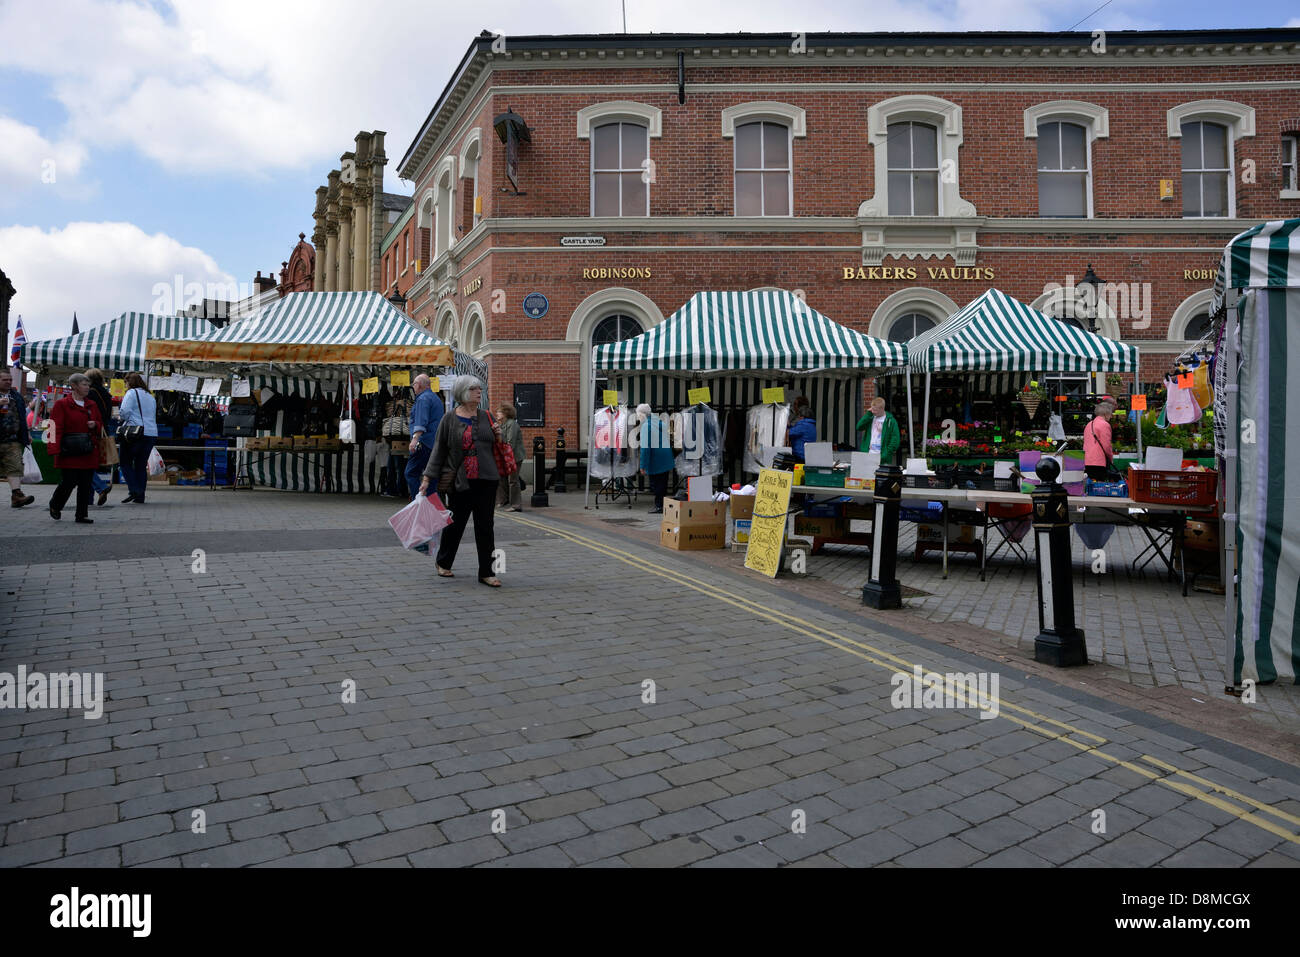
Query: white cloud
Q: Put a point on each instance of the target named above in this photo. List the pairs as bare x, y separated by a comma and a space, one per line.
98, 270
29, 161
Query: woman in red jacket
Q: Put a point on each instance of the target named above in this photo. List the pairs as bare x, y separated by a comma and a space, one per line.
74, 416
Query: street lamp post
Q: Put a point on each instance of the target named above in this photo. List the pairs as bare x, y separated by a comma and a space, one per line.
398, 300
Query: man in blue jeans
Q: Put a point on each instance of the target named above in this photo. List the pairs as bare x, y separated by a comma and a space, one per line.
426, 413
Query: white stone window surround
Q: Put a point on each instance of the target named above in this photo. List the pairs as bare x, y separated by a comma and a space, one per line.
1291, 151
470, 154
928, 302
1237, 117
443, 190
475, 329
1194, 305
446, 326
1094, 119
944, 115
793, 118
625, 111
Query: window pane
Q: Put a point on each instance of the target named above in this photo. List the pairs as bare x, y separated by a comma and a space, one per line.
634, 195
749, 199
900, 194
1062, 194
898, 145
749, 146
925, 194
1049, 146
1191, 194
604, 146
1215, 145
1214, 193
925, 146
1191, 146
776, 196
1197, 327
776, 146
634, 145
1074, 147
606, 200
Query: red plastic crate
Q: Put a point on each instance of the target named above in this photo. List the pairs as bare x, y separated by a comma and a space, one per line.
1161, 487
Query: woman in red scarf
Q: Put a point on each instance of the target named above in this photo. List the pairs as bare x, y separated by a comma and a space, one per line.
75, 415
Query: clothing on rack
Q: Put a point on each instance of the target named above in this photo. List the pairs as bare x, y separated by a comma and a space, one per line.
765, 428
701, 451
1181, 407
611, 456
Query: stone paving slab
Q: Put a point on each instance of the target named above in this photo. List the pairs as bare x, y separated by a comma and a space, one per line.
517, 728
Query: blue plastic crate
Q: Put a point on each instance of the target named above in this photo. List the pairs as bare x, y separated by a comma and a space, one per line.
1106, 489
164, 432
192, 431
932, 512
831, 510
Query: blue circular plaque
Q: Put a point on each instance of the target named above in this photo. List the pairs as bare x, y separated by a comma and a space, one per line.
535, 305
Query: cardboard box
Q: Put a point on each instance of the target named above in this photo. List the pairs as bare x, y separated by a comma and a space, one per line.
694, 513
304, 442
858, 526
693, 537
328, 444
818, 527
860, 483
854, 510
257, 442
963, 534
279, 442
741, 532
742, 507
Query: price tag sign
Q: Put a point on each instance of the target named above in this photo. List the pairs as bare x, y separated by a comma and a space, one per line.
1186, 380
773, 395
117, 388
997, 440
1033, 384
1138, 402
1062, 398
435, 383
611, 397
701, 394
400, 378
370, 386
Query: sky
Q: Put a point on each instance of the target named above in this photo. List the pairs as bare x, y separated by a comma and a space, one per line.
144, 144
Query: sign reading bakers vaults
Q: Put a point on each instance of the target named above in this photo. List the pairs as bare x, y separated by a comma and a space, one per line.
535, 305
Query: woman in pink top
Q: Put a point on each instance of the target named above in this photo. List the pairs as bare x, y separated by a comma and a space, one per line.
1097, 451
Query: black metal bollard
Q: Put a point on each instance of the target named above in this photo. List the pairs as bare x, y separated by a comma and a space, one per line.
882, 589
560, 455
540, 498
1059, 642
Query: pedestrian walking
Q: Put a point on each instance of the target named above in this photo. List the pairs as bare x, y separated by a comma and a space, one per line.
513, 436
76, 447
14, 438
464, 449
139, 434
656, 455
99, 393
426, 415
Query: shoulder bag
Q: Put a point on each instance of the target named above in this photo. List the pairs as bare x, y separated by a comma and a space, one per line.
504, 454
129, 433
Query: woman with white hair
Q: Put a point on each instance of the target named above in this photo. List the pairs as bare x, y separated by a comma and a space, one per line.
1098, 453
75, 450
656, 455
463, 462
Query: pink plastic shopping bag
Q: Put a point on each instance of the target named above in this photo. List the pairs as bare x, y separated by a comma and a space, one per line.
421, 521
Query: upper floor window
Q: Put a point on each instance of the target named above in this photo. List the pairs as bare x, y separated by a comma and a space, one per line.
913, 156
1290, 181
909, 326
618, 180
1198, 327
1207, 169
763, 173
1063, 169
406, 251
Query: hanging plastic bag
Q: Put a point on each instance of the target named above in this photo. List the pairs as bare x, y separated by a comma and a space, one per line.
155, 466
421, 521
1055, 428
31, 470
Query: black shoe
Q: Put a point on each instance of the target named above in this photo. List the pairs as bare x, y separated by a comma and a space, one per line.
55, 513
85, 521
655, 511
138, 501
103, 497
129, 498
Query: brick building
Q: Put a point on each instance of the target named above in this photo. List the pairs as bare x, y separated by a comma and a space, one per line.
402, 253
891, 177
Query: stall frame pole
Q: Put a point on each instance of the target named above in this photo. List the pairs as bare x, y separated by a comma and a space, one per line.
911, 430
1231, 447
925, 415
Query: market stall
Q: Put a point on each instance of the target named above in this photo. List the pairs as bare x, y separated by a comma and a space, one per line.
297, 360
1257, 304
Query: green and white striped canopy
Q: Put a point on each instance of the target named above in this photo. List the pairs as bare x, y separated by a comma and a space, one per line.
1264, 256
331, 328
996, 333
720, 332
114, 346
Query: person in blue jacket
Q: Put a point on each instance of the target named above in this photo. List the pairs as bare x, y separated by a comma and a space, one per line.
803, 428
656, 455
426, 413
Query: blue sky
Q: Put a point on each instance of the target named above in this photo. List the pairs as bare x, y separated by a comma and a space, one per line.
188, 138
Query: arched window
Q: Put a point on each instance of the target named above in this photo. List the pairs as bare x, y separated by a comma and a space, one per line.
913, 155
619, 180
909, 326
1197, 327
1062, 169
1207, 167
613, 328
762, 156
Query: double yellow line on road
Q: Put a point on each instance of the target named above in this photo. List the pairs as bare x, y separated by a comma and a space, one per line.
1026, 718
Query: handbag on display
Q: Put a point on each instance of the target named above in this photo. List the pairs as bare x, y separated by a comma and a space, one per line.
348, 425
241, 421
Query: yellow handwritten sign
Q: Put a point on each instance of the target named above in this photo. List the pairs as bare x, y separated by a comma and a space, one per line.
701, 394
767, 530
435, 383
401, 378
773, 395
117, 388
369, 386
611, 397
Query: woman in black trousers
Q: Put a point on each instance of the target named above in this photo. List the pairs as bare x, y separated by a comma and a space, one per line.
463, 446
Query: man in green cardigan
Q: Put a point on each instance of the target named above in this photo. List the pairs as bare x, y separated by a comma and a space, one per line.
882, 433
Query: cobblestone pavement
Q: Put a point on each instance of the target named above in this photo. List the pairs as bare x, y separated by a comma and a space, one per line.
615, 704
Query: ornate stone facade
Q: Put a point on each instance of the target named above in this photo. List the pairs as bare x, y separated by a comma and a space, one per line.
299, 273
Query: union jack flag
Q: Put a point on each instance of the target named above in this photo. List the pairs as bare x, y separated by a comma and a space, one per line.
20, 339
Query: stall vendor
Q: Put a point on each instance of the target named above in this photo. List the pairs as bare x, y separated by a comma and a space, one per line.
882, 433
1098, 453
803, 428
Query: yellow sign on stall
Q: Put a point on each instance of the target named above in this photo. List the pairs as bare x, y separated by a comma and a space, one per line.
702, 394
611, 398
767, 528
369, 386
117, 388
773, 395
435, 383
399, 378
